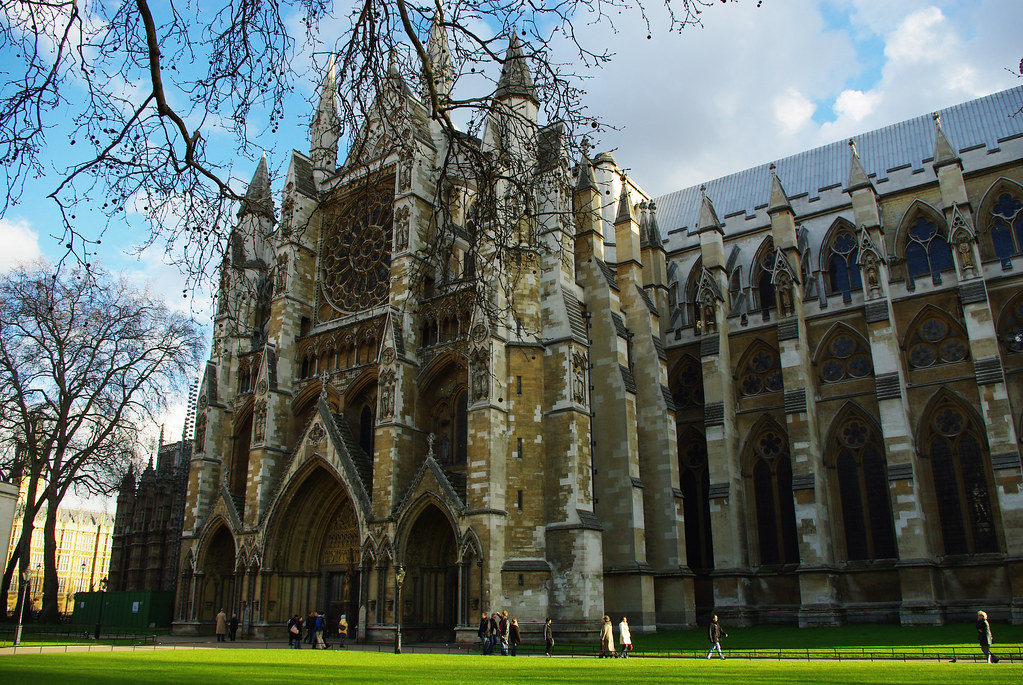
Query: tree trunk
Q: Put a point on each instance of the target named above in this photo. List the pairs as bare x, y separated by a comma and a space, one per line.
51, 610
25, 544
5, 585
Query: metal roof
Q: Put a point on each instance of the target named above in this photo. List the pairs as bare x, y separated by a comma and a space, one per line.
982, 122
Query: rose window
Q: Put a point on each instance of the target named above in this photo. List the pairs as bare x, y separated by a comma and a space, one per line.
355, 260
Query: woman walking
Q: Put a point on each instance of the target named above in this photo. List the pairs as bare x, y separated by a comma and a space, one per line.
984, 637
625, 637
548, 636
607, 639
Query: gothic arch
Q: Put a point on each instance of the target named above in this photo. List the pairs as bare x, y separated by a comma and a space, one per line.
854, 452
1010, 325
1006, 240
935, 337
428, 548
767, 471
759, 370
470, 547
838, 259
952, 442
306, 399
686, 383
843, 354
922, 240
212, 528
692, 307
761, 275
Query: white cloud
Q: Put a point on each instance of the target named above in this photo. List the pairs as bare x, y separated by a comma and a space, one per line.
20, 243
793, 111
855, 104
920, 37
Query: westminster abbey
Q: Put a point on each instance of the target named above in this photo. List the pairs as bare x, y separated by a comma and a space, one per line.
792, 394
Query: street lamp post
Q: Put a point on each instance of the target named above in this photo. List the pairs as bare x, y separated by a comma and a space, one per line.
399, 578
99, 617
21, 610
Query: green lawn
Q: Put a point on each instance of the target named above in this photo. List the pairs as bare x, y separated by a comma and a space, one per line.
349, 667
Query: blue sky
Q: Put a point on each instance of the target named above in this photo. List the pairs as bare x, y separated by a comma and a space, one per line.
753, 85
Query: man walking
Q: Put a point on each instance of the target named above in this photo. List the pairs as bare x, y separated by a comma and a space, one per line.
714, 634
221, 626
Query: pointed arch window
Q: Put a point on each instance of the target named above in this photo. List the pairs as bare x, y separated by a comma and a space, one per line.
694, 477
863, 490
761, 373
367, 430
846, 357
961, 483
764, 283
1007, 228
843, 272
936, 339
773, 502
927, 251
687, 390
692, 288
461, 430
1010, 332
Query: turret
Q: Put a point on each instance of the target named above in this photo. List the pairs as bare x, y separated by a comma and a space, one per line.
325, 129
515, 88
438, 68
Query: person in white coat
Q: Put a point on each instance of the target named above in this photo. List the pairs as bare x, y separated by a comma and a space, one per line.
625, 637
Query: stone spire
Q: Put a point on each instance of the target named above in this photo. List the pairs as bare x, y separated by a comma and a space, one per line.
438, 57
707, 218
651, 231
257, 198
625, 209
857, 175
944, 153
515, 81
778, 199
586, 178
325, 128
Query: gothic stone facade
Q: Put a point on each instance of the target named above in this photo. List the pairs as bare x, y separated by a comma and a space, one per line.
805, 411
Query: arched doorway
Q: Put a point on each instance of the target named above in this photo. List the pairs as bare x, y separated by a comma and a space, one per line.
315, 545
218, 575
430, 594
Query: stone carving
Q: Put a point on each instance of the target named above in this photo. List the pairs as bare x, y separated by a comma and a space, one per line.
281, 275
387, 394
480, 375
261, 387
401, 227
404, 177
259, 421
388, 355
316, 434
200, 432
579, 378
709, 307
783, 286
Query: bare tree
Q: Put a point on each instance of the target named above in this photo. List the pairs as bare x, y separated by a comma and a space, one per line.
147, 88
85, 362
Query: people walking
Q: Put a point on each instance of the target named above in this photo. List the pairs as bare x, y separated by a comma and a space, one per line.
504, 628
714, 634
221, 626
625, 637
607, 639
493, 632
318, 632
295, 632
342, 631
310, 627
232, 626
984, 637
548, 637
514, 636
484, 633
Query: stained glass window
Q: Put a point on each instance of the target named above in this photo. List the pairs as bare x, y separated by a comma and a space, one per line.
843, 272
863, 489
694, 476
761, 374
961, 483
773, 500
1011, 330
927, 251
936, 339
1007, 228
846, 358
687, 390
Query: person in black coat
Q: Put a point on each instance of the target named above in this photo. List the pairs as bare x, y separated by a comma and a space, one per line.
984, 637
714, 634
232, 627
484, 633
548, 636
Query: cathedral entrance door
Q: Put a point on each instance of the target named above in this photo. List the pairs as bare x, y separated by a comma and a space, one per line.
344, 599
430, 594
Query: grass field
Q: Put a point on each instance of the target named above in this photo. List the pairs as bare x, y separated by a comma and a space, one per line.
247, 666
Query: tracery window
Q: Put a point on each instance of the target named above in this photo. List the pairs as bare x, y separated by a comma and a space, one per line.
1007, 228
1010, 332
772, 492
845, 358
355, 262
763, 278
687, 390
694, 477
761, 373
863, 489
927, 251
843, 272
936, 340
961, 485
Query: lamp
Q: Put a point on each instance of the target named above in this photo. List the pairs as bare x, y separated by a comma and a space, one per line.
399, 578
